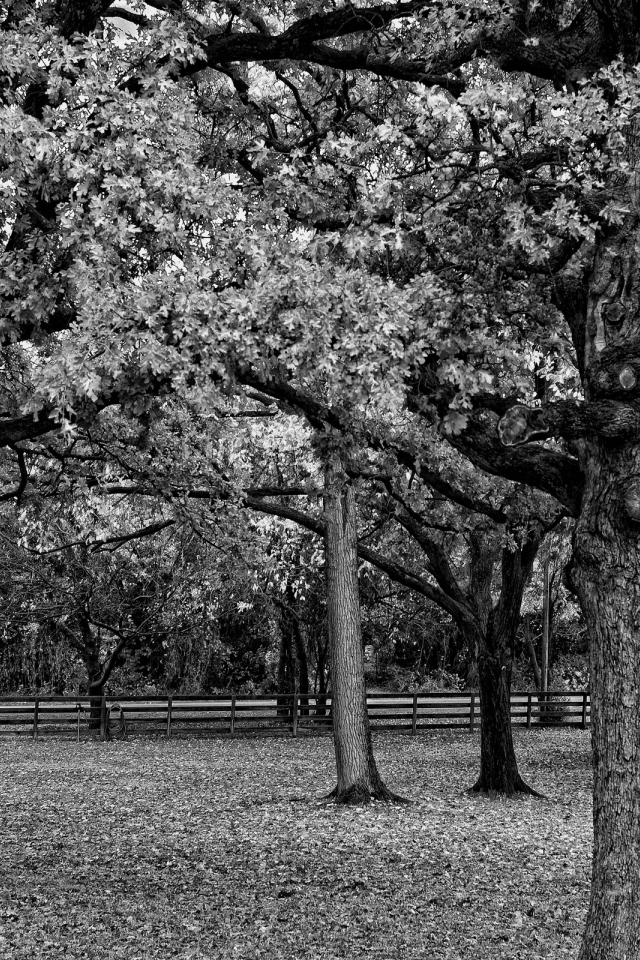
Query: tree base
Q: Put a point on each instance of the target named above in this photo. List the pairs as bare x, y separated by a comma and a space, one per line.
358, 796
514, 791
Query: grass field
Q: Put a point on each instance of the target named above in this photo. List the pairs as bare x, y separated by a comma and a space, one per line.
212, 849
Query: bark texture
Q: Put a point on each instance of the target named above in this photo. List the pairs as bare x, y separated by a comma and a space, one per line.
357, 773
492, 638
606, 574
498, 764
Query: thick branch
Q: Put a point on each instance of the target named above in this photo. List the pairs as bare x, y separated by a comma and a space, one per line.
459, 612
15, 429
112, 659
24, 479
438, 562
571, 420
547, 470
319, 414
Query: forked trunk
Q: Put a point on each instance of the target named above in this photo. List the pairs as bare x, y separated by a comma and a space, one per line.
606, 574
357, 773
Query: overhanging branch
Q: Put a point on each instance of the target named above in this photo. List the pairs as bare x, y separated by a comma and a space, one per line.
394, 571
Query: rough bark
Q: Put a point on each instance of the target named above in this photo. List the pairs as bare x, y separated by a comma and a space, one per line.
606, 572
498, 764
357, 774
492, 639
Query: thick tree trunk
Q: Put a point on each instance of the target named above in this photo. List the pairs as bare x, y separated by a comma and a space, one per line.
357, 773
96, 692
498, 765
493, 641
606, 574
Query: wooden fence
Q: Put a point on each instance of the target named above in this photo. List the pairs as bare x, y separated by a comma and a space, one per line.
294, 714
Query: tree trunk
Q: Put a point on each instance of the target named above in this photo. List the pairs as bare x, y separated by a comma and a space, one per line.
531, 650
96, 692
357, 773
494, 643
303, 669
320, 684
606, 574
293, 665
498, 765
286, 679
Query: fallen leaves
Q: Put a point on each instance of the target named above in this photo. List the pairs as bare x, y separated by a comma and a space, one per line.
216, 849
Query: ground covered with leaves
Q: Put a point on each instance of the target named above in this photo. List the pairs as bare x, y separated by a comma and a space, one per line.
207, 849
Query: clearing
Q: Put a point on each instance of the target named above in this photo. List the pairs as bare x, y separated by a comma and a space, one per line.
218, 849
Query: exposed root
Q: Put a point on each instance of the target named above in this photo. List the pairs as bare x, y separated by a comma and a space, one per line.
516, 791
358, 796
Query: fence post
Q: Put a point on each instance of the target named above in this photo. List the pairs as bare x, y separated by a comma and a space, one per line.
35, 718
294, 715
529, 709
169, 707
232, 721
78, 709
103, 717
472, 712
414, 716
584, 710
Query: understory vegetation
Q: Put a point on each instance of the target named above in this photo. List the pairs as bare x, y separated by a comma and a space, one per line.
212, 849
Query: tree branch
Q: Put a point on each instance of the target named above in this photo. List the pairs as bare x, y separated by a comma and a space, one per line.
571, 420
458, 610
24, 479
555, 473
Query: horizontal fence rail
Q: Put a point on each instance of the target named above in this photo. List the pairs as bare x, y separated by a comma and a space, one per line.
295, 714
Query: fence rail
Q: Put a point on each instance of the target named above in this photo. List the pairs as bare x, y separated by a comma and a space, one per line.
294, 714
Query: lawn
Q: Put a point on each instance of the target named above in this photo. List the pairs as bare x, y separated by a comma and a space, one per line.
218, 848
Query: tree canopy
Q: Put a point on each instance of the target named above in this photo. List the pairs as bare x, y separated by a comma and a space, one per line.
423, 210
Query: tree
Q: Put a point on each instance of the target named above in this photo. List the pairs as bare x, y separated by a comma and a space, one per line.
358, 777
472, 244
